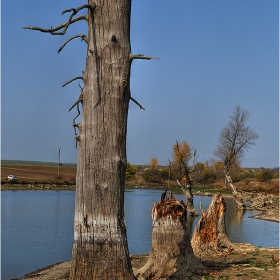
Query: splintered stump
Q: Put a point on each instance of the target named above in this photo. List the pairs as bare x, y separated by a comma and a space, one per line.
171, 256
210, 233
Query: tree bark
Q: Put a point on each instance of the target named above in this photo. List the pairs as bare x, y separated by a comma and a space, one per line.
172, 255
236, 194
100, 248
187, 189
190, 206
210, 233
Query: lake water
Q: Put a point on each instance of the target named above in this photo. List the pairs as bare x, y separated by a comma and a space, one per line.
37, 227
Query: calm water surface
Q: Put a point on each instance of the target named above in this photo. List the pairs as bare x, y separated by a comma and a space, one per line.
37, 227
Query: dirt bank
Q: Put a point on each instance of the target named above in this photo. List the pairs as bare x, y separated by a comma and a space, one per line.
246, 262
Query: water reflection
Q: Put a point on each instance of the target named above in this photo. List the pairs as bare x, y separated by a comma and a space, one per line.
239, 227
37, 226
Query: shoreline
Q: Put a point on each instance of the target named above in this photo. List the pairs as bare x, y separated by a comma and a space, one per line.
229, 264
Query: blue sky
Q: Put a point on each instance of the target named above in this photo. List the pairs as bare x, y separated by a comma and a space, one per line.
213, 55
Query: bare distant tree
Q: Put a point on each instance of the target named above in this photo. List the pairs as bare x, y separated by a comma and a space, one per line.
100, 248
234, 140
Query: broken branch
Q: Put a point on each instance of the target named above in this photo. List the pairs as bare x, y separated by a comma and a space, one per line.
140, 106
84, 38
80, 99
76, 78
76, 10
141, 56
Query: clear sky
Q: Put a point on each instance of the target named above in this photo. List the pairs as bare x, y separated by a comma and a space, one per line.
213, 55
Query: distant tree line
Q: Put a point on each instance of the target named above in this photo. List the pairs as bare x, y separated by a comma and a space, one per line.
206, 173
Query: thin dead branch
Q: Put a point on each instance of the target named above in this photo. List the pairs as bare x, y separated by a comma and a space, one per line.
53, 30
75, 125
76, 78
84, 38
141, 56
64, 26
80, 99
140, 106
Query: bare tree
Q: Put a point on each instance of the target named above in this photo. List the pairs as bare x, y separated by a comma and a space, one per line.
181, 156
234, 140
100, 248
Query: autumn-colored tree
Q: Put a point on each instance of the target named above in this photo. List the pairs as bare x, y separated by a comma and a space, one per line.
130, 171
219, 169
234, 140
153, 174
235, 170
181, 169
203, 174
154, 163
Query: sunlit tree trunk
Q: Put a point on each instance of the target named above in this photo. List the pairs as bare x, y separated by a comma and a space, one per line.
100, 248
209, 236
237, 195
187, 189
172, 256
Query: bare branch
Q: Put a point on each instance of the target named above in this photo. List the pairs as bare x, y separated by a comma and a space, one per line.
84, 38
80, 99
76, 10
193, 169
76, 78
235, 138
141, 107
77, 137
141, 56
65, 25
53, 30
180, 185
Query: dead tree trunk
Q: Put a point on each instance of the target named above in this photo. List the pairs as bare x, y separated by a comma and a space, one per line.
236, 194
187, 189
210, 233
100, 248
172, 255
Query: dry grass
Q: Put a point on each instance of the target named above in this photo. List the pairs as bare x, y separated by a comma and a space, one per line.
39, 174
270, 187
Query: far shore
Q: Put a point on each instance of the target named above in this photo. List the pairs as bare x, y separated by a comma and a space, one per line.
269, 212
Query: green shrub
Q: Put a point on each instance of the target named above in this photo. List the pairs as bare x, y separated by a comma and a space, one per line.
264, 175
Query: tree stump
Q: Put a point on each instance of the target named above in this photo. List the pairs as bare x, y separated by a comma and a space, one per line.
210, 233
172, 256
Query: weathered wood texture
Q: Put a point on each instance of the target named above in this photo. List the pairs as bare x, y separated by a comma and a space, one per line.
237, 195
187, 189
172, 255
100, 248
210, 233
